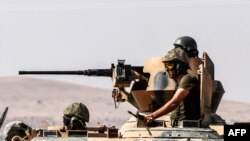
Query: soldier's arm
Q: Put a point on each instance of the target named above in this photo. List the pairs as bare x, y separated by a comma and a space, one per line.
179, 95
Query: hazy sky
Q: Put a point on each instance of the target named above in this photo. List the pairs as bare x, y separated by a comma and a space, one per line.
82, 34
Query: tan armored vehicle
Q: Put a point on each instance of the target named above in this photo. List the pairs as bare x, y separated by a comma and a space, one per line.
147, 88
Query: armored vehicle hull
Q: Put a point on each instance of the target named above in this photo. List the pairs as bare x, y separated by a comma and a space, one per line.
133, 130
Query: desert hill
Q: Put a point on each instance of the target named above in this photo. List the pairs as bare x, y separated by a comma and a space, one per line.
38, 101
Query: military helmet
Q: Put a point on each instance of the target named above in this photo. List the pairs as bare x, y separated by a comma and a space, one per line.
15, 128
175, 55
78, 110
186, 42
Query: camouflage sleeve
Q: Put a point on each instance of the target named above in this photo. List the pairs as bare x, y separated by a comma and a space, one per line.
188, 82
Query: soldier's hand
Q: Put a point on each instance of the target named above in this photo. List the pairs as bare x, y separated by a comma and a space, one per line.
149, 118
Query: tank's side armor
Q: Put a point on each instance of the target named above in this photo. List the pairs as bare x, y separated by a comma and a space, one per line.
205, 90
213, 91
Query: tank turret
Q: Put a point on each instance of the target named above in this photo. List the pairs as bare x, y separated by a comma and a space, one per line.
149, 88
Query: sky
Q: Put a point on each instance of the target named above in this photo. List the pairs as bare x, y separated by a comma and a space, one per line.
83, 34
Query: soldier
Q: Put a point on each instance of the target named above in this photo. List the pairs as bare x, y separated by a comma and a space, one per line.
75, 116
18, 131
185, 102
189, 45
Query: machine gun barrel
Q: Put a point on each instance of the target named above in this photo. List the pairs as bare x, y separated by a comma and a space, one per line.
89, 72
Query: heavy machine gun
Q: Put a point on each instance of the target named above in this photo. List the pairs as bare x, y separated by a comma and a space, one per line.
122, 75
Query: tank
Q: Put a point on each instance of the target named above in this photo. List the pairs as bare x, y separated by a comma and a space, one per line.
147, 88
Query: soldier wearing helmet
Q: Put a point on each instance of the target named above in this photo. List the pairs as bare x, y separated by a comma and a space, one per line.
75, 116
185, 104
189, 45
18, 131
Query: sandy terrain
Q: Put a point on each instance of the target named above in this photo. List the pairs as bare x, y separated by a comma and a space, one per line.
38, 101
